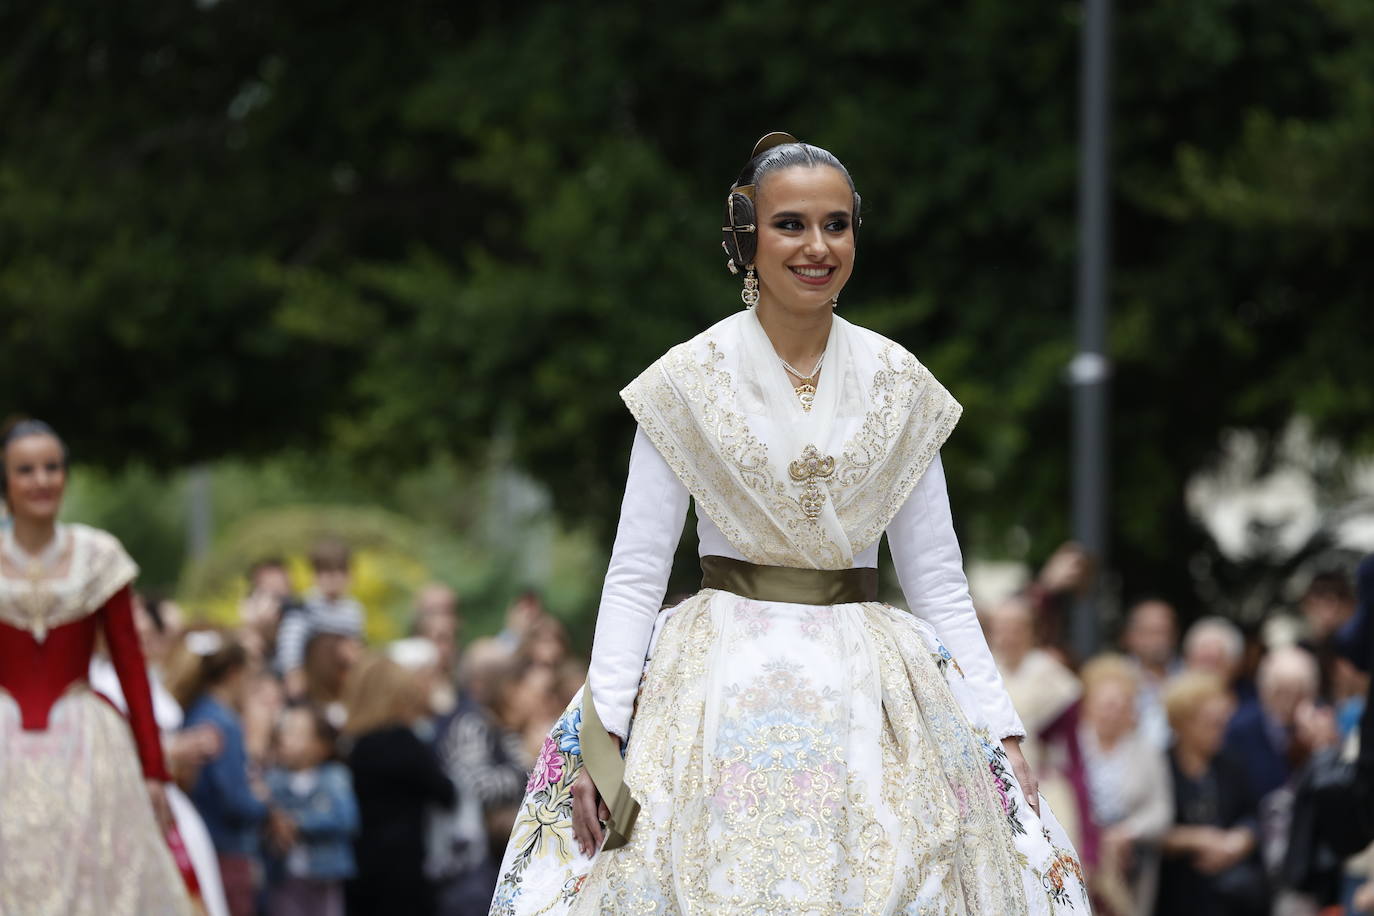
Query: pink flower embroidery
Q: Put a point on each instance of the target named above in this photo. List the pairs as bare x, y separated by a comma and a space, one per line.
547, 769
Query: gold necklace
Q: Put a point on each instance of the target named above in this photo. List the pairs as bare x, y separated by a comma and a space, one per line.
36, 570
806, 391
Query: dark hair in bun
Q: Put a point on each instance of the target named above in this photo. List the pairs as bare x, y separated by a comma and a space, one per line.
775, 151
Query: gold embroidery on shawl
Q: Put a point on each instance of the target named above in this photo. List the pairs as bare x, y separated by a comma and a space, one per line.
910, 417
98, 567
708, 480
899, 437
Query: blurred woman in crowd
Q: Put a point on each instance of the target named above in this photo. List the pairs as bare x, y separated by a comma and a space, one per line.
395, 776
83, 807
1041, 688
210, 678
520, 705
1127, 788
1210, 863
459, 858
328, 658
546, 642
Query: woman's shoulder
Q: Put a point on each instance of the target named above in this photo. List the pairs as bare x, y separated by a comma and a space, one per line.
104, 564
206, 708
696, 358
94, 538
385, 739
881, 348
703, 342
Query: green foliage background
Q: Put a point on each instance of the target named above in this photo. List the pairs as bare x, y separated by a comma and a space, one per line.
387, 235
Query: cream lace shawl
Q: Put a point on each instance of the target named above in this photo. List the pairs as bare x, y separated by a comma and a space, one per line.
785, 486
98, 568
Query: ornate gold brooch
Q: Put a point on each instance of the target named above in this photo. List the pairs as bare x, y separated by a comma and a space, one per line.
809, 470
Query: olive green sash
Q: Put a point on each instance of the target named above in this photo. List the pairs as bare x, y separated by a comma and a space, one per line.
789, 585
783, 584
602, 759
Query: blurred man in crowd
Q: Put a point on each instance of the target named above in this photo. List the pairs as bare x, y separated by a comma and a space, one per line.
1272, 735
1151, 640
1067, 574
1327, 605
1214, 645
524, 612
260, 613
436, 619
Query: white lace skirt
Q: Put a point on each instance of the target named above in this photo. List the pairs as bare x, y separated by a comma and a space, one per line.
796, 759
77, 834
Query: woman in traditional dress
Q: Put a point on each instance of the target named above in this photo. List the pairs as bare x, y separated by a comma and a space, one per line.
78, 834
791, 745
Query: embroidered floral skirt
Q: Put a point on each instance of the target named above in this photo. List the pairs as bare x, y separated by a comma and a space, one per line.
796, 759
77, 834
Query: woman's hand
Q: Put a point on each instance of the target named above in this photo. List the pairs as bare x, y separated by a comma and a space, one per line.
157, 794
1225, 849
1364, 898
282, 831
1030, 786
193, 747
1117, 849
589, 810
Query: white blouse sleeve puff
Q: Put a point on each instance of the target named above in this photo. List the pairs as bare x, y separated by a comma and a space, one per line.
924, 550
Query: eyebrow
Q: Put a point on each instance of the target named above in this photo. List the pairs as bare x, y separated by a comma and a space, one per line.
792, 214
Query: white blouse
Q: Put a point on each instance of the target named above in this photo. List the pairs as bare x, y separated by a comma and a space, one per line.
924, 549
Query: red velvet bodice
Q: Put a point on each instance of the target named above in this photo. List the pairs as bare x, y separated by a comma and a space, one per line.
37, 673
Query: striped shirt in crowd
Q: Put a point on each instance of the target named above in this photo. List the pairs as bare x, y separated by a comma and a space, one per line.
343, 617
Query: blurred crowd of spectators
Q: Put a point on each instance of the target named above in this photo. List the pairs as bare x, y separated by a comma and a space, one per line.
1177, 762
336, 776
333, 776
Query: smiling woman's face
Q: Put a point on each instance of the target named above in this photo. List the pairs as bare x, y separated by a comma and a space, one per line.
35, 477
806, 238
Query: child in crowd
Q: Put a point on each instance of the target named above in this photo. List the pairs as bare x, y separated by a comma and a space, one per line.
209, 676
328, 608
315, 794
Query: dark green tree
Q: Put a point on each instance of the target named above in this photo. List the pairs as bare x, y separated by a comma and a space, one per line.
232, 227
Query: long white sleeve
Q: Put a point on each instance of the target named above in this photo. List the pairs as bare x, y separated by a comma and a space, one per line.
930, 568
651, 519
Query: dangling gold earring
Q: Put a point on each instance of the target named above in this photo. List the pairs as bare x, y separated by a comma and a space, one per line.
835, 302
750, 293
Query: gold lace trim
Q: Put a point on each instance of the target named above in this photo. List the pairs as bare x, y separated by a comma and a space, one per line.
98, 568
897, 440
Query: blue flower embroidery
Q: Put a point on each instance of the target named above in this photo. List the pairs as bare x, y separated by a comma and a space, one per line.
568, 731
